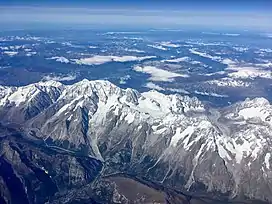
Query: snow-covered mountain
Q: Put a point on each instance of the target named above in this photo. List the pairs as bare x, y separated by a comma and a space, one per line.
173, 140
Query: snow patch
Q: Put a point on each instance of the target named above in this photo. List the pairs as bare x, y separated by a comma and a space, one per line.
253, 112
180, 135
267, 160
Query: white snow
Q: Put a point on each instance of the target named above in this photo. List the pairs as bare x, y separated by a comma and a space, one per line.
130, 118
267, 160
165, 112
252, 112
180, 135
242, 144
151, 107
158, 74
223, 152
186, 134
68, 107
97, 59
23, 94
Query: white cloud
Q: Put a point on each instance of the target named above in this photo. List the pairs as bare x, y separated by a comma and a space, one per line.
123, 80
247, 71
29, 54
210, 33
229, 82
4, 48
211, 94
215, 73
231, 34
178, 90
159, 47
97, 60
134, 50
204, 44
158, 74
196, 62
151, 85
59, 59
240, 49
226, 34
27, 50
169, 44
121, 32
59, 78
92, 47
203, 54
10, 53
268, 50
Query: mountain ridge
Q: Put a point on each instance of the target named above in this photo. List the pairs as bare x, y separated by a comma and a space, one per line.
170, 139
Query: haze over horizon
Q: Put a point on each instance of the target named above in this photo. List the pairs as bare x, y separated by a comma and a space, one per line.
172, 14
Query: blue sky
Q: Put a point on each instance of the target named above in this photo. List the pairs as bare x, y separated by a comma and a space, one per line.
242, 14
152, 4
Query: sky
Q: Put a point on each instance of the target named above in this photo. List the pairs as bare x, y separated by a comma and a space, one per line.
256, 14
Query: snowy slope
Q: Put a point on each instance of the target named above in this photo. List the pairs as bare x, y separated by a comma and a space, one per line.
224, 149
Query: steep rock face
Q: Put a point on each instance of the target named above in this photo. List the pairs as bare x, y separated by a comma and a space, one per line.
32, 173
170, 139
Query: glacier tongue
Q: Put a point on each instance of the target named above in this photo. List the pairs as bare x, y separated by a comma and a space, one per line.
223, 149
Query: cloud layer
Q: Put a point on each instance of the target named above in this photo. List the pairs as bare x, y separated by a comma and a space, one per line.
158, 74
97, 59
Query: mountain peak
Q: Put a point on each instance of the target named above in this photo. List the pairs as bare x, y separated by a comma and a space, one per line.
174, 132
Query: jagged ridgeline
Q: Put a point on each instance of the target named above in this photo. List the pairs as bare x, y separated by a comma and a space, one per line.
91, 141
